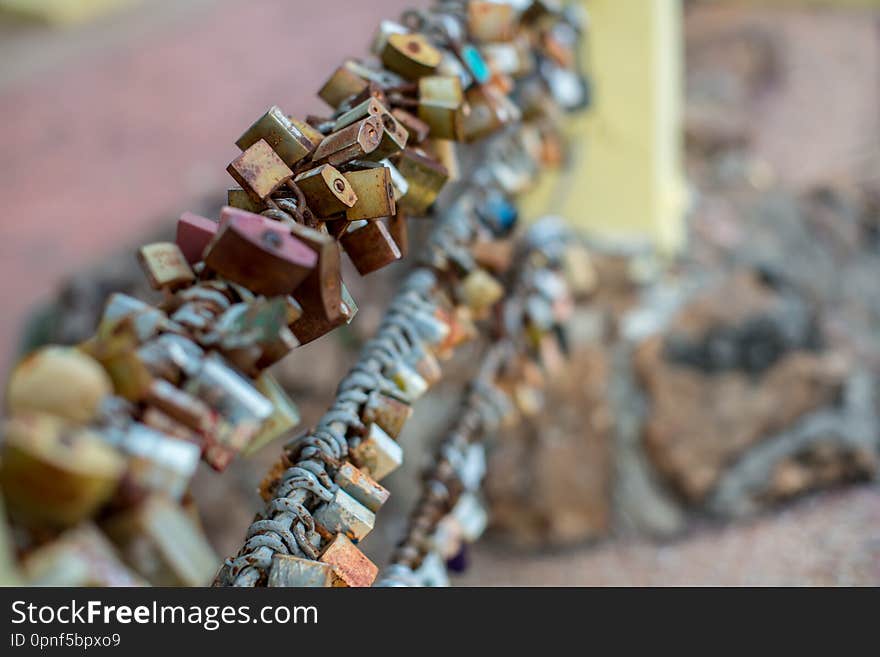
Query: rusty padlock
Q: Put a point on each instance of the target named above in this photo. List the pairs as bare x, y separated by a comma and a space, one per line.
353, 142
259, 254
259, 171
165, 266
370, 247
351, 567
276, 129
194, 233
326, 191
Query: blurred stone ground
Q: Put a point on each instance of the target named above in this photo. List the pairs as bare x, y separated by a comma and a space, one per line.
125, 127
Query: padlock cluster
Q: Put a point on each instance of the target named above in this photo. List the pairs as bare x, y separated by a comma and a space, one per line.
103, 439
530, 334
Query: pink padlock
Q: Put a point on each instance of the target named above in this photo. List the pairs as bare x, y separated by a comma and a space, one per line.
259, 253
194, 233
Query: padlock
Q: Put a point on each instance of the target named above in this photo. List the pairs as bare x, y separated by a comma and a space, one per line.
55, 474
398, 182
259, 254
165, 266
146, 320
351, 567
375, 194
117, 351
62, 381
471, 516
236, 197
386, 29
461, 329
312, 326
490, 110
158, 462
370, 247
418, 130
290, 571
426, 178
514, 58
495, 256
361, 486
446, 153
351, 143
284, 418
389, 413
259, 171
377, 453
432, 571
156, 419
182, 407
480, 291
426, 364
343, 84
370, 107
441, 106
410, 55
228, 392
160, 541
411, 384
327, 191
194, 233
288, 141
171, 356
343, 515
313, 135
79, 557
399, 232
490, 21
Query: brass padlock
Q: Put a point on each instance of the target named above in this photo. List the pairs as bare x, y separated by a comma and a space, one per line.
259, 254
284, 418
312, 326
288, 141
418, 130
62, 381
343, 84
441, 106
312, 134
194, 233
361, 486
351, 567
290, 571
162, 543
426, 178
489, 111
375, 194
351, 143
490, 21
327, 191
79, 557
389, 413
165, 266
377, 453
55, 474
343, 515
259, 171
370, 247
410, 55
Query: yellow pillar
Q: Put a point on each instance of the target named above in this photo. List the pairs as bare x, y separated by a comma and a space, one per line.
625, 180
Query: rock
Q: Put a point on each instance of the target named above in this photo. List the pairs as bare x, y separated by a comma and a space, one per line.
732, 370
